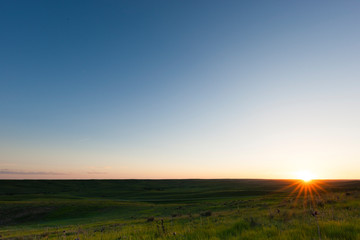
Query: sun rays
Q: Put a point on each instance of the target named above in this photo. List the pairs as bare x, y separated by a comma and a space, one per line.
307, 189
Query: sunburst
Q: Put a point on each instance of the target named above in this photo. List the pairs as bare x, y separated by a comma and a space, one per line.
306, 189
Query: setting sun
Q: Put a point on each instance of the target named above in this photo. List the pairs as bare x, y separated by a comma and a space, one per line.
306, 176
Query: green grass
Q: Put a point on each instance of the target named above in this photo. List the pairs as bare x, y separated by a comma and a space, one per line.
119, 209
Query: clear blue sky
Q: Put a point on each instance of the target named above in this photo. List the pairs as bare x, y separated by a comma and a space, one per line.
179, 89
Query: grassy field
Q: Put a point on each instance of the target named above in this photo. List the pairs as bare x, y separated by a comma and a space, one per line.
179, 209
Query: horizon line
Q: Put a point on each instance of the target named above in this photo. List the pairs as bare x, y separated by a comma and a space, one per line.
157, 179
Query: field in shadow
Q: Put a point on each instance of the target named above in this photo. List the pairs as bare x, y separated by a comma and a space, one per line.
178, 209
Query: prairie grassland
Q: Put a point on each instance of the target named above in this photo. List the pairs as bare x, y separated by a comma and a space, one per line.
239, 209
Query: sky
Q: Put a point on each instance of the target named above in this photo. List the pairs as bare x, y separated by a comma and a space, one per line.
179, 89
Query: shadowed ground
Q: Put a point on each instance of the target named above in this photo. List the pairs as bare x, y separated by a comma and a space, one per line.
185, 209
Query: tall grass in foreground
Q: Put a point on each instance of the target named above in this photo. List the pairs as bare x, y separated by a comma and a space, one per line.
338, 217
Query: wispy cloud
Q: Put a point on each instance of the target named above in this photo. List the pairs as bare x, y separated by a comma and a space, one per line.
16, 172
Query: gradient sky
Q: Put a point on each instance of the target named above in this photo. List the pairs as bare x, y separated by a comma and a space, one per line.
179, 89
